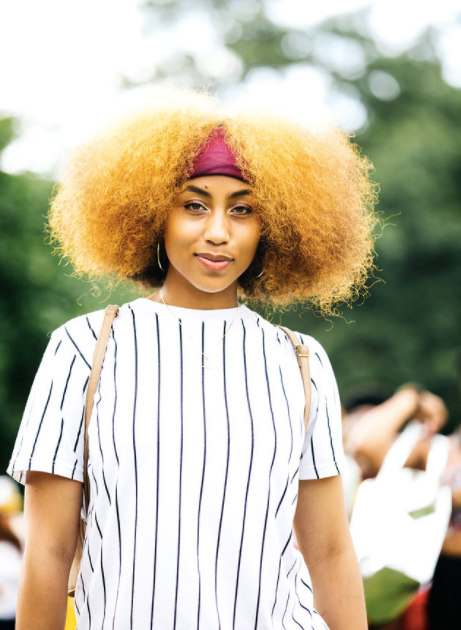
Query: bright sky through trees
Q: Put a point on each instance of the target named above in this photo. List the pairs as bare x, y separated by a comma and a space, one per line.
63, 63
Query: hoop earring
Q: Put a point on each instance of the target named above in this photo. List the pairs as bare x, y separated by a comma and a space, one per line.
256, 277
158, 257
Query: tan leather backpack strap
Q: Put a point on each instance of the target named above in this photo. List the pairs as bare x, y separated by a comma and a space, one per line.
110, 314
302, 352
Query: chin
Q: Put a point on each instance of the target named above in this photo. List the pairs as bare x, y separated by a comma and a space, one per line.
212, 287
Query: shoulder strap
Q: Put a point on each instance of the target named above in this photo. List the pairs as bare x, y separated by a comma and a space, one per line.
302, 352
110, 314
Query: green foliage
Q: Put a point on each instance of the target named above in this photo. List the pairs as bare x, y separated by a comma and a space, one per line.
37, 295
408, 329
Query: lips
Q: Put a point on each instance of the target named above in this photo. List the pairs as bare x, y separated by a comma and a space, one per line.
214, 257
214, 263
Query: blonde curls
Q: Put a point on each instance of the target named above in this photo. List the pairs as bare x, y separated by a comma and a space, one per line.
311, 189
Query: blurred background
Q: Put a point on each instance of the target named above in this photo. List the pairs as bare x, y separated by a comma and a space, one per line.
387, 72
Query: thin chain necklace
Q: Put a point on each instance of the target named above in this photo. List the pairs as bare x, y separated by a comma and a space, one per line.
191, 338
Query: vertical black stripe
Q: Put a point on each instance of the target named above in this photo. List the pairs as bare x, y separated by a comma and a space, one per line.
135, 463
79, 430
89, 558
158, 470
23, 428
40, 426
99, 440
280, 502
292, 567
227, 469
277, 586
270, 474
95, 481
294, 499
90, 327
306, 585
297, 596
102, 571
249, 472
117, 508
67, 382
57, 447
89, 611
296, 589
293, 617
286, 544
293, 478
77, 348
203, 479
83, 587
75, 466
289, 415
293, 613
331, 439
181, 397
313, 456
286, 608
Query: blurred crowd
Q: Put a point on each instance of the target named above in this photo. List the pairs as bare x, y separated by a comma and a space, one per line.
373, 422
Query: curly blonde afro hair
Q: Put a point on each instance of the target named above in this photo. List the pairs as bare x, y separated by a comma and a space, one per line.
311, 190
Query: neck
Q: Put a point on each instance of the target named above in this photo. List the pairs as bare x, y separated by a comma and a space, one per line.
185, 295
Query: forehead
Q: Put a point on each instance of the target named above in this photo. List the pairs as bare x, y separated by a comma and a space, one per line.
216, 185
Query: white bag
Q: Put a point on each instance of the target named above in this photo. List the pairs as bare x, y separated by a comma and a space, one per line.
399, 523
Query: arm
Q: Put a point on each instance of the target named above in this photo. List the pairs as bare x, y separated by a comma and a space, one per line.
52, 506
324, 539
376, 431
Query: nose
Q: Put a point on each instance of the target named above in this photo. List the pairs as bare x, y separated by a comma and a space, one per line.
217, 228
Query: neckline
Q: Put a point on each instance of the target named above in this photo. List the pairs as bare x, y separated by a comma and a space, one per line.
192, 314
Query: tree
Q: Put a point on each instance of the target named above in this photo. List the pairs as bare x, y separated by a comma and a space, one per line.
37, 295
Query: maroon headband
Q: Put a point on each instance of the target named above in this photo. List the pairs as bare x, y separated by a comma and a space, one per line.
215, 158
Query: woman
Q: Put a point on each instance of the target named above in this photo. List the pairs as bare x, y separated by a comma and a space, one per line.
198, 462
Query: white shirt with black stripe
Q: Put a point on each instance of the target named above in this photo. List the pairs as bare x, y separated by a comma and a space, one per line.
194, 471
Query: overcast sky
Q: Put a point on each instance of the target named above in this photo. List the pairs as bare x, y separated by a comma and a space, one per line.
62, 62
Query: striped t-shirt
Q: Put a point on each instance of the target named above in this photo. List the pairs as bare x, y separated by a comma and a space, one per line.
194, 471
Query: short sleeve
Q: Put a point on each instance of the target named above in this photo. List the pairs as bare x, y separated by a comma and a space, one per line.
322, 453
51, 434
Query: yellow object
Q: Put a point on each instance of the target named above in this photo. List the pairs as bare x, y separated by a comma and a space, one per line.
71, 621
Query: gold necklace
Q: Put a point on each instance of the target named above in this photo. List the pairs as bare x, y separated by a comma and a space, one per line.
209, 367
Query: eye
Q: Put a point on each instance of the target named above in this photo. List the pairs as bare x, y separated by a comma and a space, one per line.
194, 206
242, 210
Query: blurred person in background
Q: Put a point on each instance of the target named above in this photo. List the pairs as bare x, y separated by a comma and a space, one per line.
357, 404
374, 427
10, 552
369, 436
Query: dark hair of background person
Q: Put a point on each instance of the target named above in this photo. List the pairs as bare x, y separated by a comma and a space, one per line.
372, 394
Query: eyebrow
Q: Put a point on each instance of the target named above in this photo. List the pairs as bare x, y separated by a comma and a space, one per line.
205, 193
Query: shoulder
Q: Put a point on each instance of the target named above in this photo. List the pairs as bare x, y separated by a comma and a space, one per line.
317, 352
80, 334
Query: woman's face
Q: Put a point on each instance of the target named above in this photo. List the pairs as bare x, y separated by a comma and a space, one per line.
212, 234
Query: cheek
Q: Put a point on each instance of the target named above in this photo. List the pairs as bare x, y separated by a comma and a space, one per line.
179, 234
251, 238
